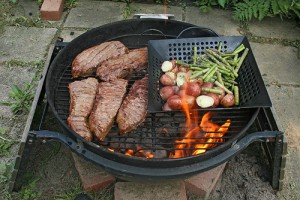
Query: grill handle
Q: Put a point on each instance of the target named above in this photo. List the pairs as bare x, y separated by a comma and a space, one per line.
143, 173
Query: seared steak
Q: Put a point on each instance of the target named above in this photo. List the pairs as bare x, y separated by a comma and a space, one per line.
133, 110
108, 101
82, 97
123, 65
86, 63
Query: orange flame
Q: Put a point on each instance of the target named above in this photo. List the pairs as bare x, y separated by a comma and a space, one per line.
194, 141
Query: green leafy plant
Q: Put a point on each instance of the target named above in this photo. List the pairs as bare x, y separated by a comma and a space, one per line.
249, 9
5, 144
206, 5
28, 22
29, 189
19, 63
71, 3
20, 98
245, 11
127, 11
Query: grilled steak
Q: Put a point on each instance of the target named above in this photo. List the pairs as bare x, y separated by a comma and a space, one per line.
133, 110
86, 63
108, 101
82, 97
123, 65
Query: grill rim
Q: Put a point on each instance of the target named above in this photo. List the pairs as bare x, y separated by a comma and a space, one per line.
102, 151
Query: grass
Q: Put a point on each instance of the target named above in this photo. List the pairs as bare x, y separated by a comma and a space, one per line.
128, 10
20, 98
19, 63
28, 22
5, 142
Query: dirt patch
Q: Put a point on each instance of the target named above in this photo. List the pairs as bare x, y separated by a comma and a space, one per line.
247, 176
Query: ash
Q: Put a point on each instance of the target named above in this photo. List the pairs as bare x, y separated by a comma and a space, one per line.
246, 176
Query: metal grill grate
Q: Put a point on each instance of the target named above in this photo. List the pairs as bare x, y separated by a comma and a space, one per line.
160, 130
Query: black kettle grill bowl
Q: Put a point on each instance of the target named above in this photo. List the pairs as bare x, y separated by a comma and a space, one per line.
137, 33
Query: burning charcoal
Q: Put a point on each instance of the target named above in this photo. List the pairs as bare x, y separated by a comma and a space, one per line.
160, 154
113, 140
127, 143
147, 142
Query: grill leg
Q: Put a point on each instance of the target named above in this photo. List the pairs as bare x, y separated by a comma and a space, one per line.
276, 152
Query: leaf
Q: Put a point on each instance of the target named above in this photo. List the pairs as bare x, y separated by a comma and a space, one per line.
297, 12
205, 9
6, 103
275, 7
222, 3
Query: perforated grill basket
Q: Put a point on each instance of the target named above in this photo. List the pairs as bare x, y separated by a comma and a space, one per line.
253, 92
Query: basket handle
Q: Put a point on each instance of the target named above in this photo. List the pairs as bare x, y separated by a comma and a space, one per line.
209, 32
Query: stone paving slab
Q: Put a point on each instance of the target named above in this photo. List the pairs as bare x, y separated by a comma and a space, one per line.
25, 44
275, 28
27, 8
94, 14
31, 9
5, 112
286, 102
277, 63
16, 75
140, 8
69, 34
218, 20
147, 191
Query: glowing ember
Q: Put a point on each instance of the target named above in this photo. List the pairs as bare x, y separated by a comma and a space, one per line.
198, 138
139, 153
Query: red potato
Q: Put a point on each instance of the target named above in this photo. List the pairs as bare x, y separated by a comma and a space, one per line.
207, 85
166, 107
193, 89
228, 100
199, 81
175, 70
183, 69
166, 80
176, 89
221, 96
215, 97
181, 78
204, 101
167, 66
181, 93
189, 100
175, 102
171, 74
166, 92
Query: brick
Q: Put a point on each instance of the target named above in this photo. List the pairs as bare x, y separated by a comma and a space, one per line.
203, 183
52, 9
92, 177
150, 191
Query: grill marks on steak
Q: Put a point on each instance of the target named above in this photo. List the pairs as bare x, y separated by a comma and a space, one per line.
108, 101
133, 110
86, 63
82, 97
123, 65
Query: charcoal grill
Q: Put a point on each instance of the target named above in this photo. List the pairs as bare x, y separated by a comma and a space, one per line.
152, 134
